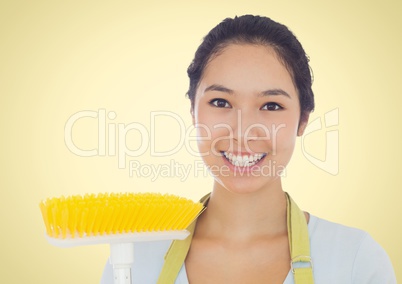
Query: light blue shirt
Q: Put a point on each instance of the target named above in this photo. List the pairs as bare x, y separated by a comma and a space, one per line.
340, 254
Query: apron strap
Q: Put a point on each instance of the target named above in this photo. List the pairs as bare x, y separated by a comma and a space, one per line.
301, 263
299, 244
177, 253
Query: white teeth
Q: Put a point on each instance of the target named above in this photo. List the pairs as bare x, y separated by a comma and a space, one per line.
243, 161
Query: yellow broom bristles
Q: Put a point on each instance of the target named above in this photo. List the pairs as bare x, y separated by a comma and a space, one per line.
105, 214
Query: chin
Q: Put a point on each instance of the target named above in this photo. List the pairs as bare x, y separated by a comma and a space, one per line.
246, 185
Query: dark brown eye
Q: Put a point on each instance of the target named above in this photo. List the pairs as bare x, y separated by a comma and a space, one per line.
221, 103
271, 107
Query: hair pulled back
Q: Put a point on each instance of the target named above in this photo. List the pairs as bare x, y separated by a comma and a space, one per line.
258, 30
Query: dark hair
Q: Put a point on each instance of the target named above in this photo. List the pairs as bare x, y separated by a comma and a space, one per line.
249, 29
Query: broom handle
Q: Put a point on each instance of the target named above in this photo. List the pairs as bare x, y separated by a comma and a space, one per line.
122, 257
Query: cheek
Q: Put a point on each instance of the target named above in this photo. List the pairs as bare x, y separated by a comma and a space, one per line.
214, 131
284, 139
204, 131
212, 137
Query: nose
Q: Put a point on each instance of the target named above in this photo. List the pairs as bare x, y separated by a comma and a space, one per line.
249, 128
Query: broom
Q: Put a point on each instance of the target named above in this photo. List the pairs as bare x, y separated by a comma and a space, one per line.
118, 219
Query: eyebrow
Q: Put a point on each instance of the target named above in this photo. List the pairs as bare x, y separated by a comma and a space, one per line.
272, 92
219, 88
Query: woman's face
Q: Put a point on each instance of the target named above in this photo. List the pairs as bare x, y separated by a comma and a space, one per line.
246, 112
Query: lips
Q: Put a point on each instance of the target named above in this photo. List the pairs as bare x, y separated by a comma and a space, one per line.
243, 160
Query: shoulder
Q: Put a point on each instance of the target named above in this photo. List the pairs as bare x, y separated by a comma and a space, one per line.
323, 232
348, 254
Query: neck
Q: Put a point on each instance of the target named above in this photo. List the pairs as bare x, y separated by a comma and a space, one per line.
244, 216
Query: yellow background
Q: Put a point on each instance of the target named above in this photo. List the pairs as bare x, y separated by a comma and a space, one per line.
58, 58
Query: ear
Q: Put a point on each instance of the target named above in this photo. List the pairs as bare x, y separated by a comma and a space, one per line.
192, 115
303, 123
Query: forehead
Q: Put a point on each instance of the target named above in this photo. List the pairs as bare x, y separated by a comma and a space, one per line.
246, 67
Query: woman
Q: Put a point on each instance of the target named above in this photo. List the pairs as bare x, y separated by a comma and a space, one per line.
250, 93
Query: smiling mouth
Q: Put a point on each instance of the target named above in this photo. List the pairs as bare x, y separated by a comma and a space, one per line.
243, 160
